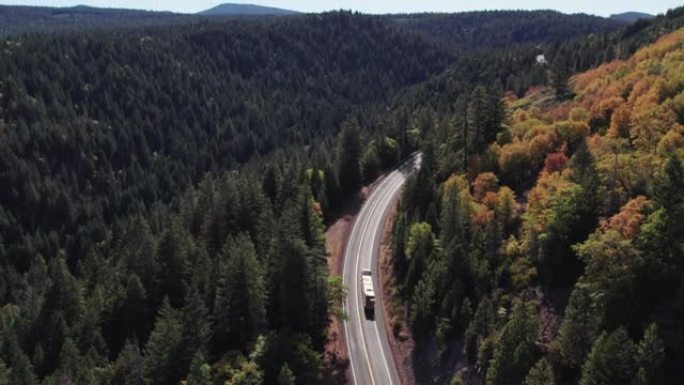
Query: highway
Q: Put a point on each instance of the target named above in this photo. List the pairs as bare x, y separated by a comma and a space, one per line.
370, 356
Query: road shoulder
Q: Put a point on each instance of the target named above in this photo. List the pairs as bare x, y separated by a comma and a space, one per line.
398, 334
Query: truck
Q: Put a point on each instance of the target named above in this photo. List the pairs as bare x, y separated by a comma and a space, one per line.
368, 292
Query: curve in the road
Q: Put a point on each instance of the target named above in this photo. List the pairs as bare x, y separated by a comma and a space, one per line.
370, 357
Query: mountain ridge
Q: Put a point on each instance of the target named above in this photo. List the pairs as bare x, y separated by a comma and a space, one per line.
234, 9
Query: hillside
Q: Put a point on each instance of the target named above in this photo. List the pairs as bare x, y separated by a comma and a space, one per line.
165, 191
559, 231
160, 216
230, 9
505, 28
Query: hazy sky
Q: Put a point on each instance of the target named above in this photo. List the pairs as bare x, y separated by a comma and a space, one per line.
597, 7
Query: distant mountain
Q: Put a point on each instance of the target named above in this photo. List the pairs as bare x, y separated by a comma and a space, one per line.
231, 9
631, 17
16, 20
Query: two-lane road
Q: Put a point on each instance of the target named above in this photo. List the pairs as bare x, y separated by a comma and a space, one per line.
369, 352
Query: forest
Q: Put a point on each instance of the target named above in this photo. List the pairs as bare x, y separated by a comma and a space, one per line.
165, 190
541, 240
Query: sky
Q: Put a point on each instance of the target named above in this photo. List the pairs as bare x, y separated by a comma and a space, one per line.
596, 7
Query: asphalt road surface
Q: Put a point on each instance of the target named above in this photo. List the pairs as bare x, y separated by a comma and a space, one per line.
366, 336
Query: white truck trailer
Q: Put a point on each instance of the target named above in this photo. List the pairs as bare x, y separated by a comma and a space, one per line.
368, 292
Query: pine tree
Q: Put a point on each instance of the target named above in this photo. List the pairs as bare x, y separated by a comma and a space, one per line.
585, 174
668, 194
22, 372
422, 312
161, 350
5, 373
611, 360
650, 355
196, 329
558, 78
450, 218
138, 249
286, 377
240, 297
477, 120
420, 248
540, 374
579, 327
515, 351
294, 290
399, 245
348, 158
200, 371
129, 366
370, 163
69, 361
173, 261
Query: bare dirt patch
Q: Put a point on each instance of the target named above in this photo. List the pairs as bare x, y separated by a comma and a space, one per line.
336, 361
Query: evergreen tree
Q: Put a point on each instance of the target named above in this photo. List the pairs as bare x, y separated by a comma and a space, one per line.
348, 158
558, 78
422, 312
129, 366
69, 365
370, 163
540, 374
452, 230
668, 194
240, 297
5, 373
196, 329
477, 120
611, 360
579, 327
286, 377
173, 261
161, 350
399, 245
420, 248
200, 371
22, 372
650, 355
515, 350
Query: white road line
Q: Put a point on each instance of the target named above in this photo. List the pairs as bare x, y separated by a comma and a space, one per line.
346, 323
377, 200
375, 233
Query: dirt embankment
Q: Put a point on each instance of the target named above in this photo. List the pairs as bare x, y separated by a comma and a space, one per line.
337, 370
336, 360
399, 335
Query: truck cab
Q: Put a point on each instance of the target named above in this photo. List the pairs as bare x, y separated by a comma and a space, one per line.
368, 292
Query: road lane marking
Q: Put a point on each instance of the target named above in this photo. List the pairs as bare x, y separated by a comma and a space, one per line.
354, 234
381, 198
376, 200
381, 223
